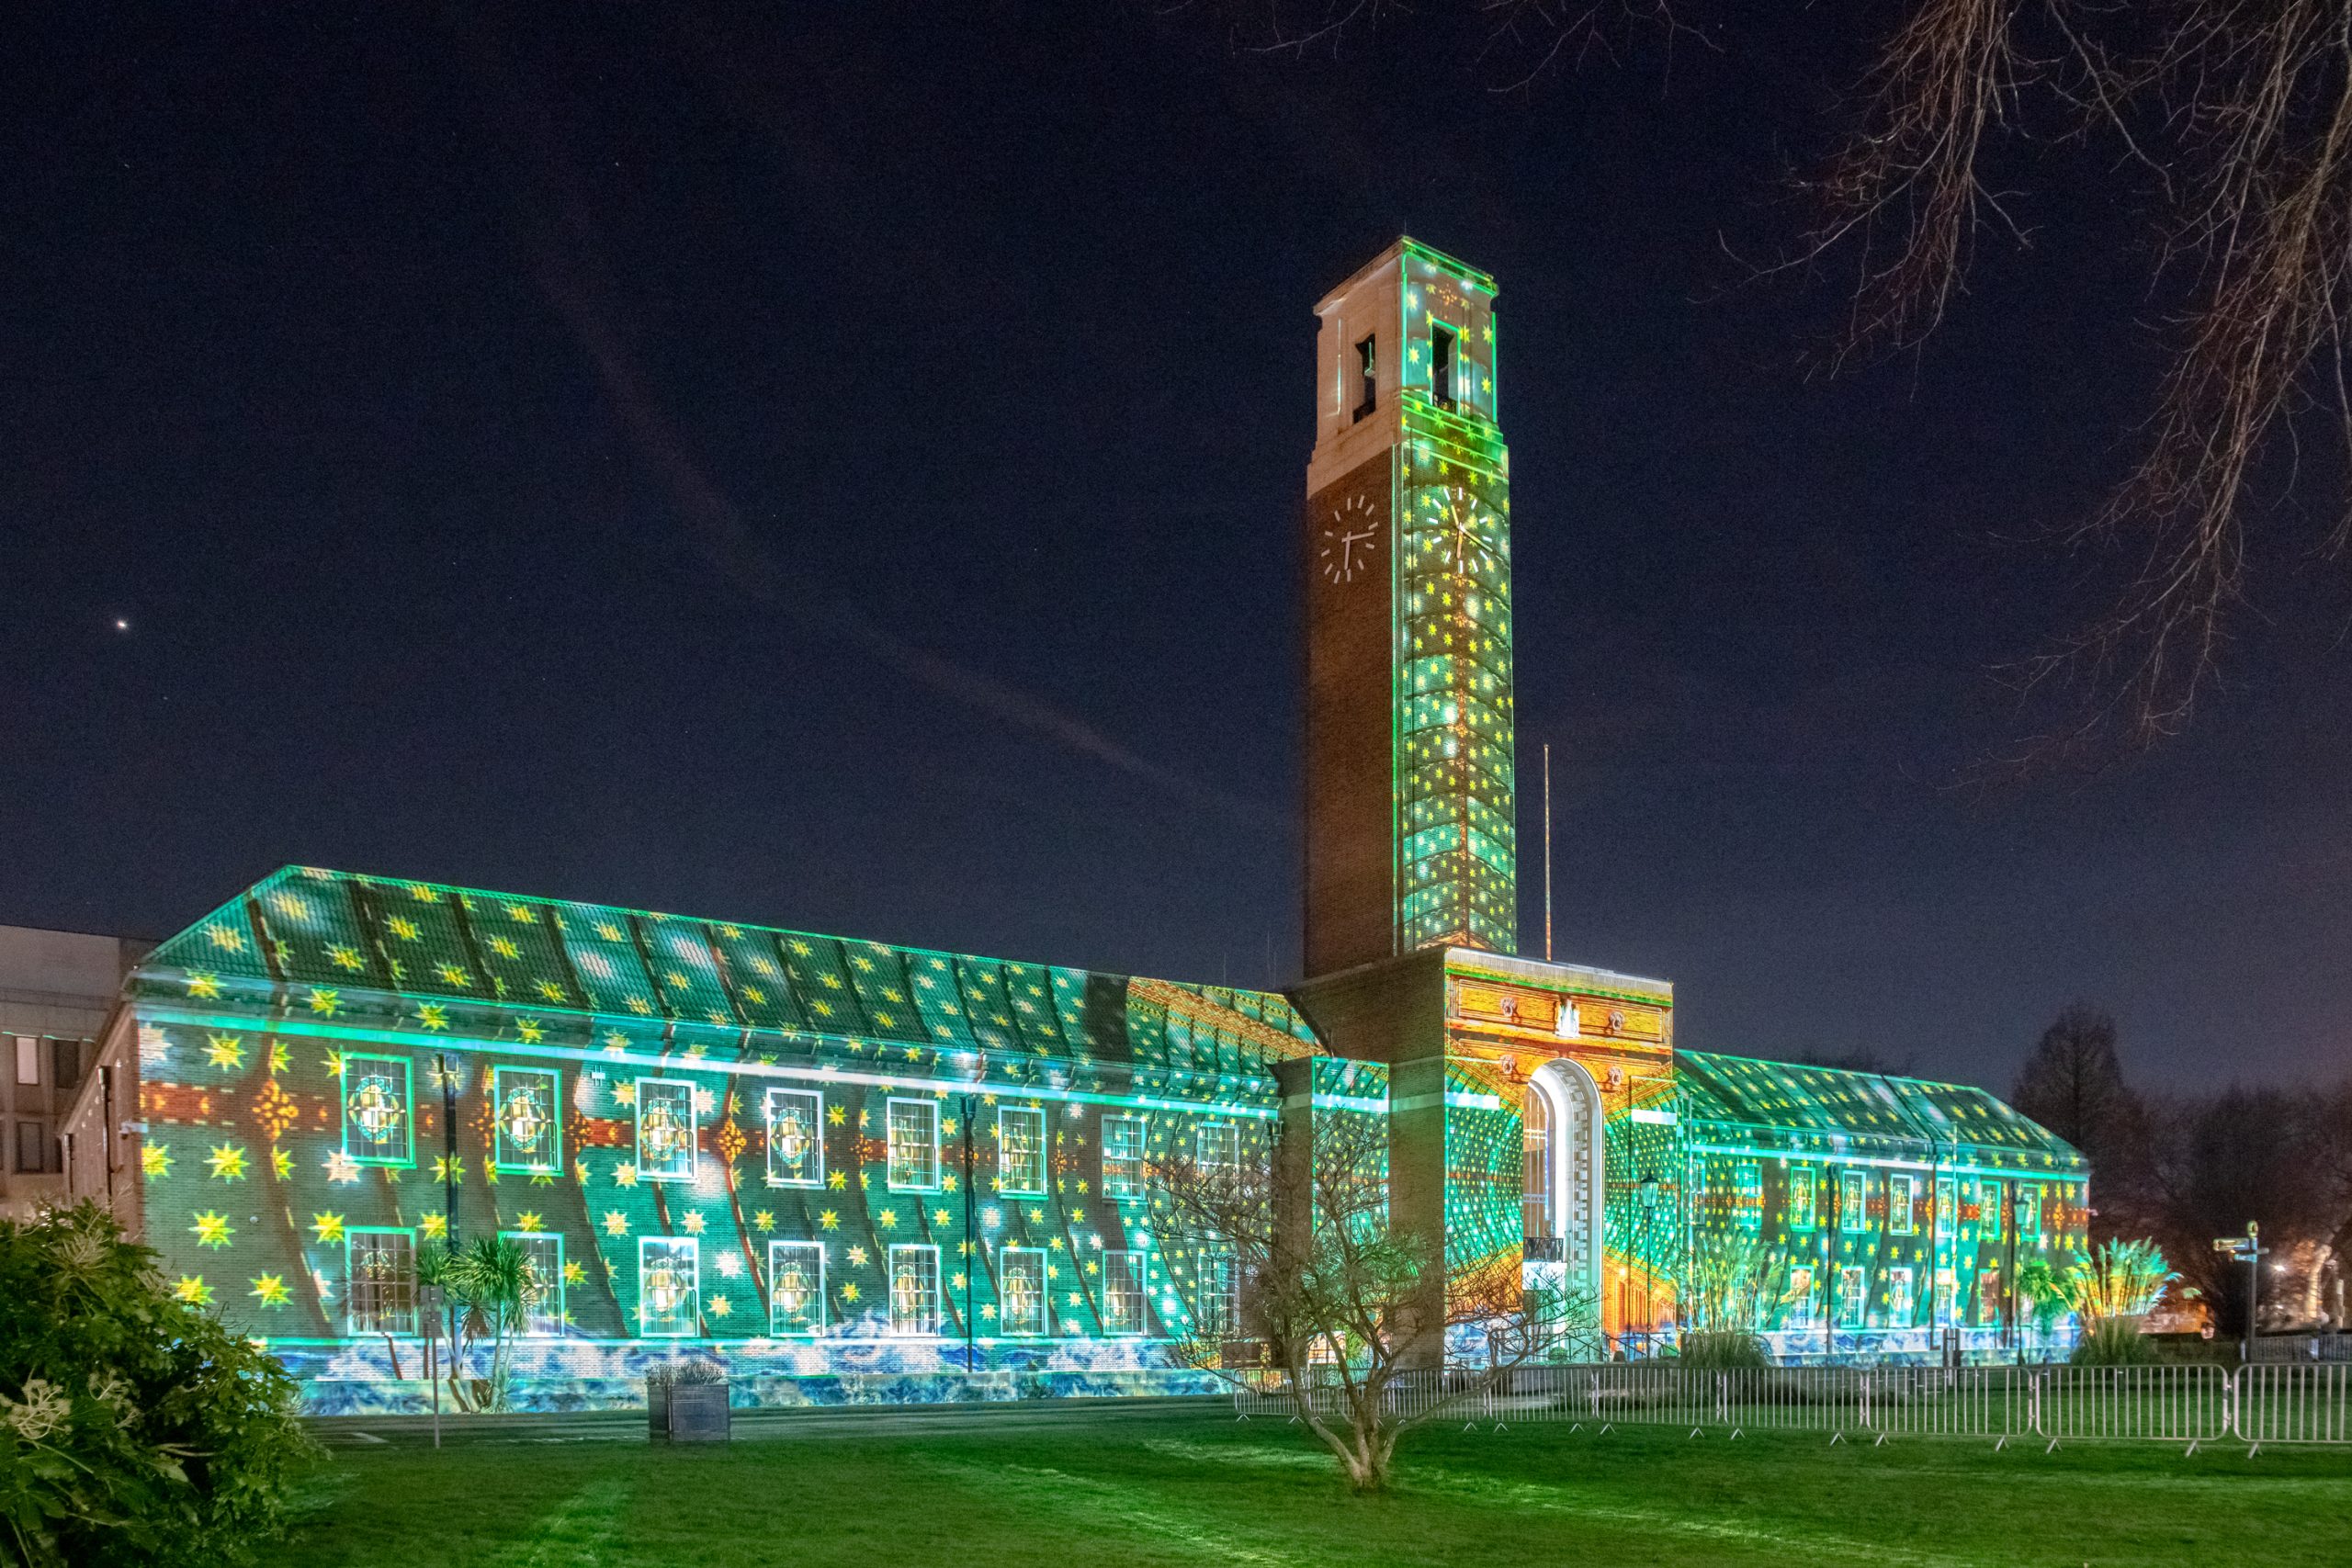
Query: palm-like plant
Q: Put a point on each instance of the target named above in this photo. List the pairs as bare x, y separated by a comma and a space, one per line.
491, 1288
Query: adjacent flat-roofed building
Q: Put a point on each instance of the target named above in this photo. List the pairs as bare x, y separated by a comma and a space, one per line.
841, 1165
56, 991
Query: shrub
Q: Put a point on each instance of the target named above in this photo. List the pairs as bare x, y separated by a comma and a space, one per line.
1723, 1350
134, 1428
2114, 1342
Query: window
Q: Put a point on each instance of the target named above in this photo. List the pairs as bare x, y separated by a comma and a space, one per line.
27, 1059
1946, 1215
1021, 1293
33, 1148
543, 1313
795, 1287
529, 1118
1536, 1186
669, 1284
378, 1124
379, 1280
796, 1118
1898, 1298
1988, 1211
1020, 1150
1801, 1214
69, 1061
914, 1287
1123, 1299
1853, 1296
1800, 1314
1988, 1297
1442, 366
914, 1147
1853, 1202
2029, 1215
1368, 368
1946, 1298
1218, 1312
1902, 1195
666, 1134
1216, 1146
1122, 1157
1747, 1198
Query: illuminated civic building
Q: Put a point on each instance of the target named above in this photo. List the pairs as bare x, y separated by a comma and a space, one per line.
854, 1169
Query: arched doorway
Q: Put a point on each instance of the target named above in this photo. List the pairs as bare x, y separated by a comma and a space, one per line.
1566, 1155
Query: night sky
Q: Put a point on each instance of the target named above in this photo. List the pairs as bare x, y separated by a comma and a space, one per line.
838, 467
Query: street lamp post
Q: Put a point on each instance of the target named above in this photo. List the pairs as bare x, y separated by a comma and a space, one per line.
1648, 1189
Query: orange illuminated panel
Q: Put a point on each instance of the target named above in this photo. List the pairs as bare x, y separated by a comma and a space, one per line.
1507, 1006
1598, 1018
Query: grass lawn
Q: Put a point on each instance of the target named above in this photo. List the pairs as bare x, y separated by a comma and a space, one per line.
1188, 1489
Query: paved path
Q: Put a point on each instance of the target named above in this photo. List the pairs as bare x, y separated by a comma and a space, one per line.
805, 1421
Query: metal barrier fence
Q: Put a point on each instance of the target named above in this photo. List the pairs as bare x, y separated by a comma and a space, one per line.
2186, 1403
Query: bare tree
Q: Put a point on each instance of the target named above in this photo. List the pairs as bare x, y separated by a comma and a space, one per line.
2073, 1085
2238, 119
2225, 1159
1327, 1300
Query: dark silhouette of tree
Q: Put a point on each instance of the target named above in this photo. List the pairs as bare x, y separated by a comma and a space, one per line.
2073, 1085
2225, 1159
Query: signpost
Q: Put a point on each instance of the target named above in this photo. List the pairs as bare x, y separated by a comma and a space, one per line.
428, 1307
2249, 1249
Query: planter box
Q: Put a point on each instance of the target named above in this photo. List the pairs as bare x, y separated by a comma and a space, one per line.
687, 1413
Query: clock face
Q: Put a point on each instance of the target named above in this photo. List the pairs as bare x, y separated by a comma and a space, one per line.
1471, 528
1349, 540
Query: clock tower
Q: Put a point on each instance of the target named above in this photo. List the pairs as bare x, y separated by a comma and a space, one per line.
1410, 831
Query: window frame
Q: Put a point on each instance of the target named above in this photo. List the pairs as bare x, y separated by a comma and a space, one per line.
1129, 1263
406, 1161
2029, 1213
816, 1324
693, 1130
891, 1144
27, 1051
1230, 1131
553, 1164
1852, 1307
1006, 1258
1800, 1300
351, 1235
1116, 1184
533, 1316
1368, 369
816, 1134
937, 1318
1902, 1296
1747, 1197
1035, 1115
690, 1248
1853, 1202
1219, 1280
1990, 1222
1902, 1218
1947, 1220
1805, 1216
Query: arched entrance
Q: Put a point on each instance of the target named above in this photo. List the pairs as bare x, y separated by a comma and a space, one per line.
1565, 1181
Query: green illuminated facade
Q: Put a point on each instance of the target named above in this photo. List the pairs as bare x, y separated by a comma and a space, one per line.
855, 1170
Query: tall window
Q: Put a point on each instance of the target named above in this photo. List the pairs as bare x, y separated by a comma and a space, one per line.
1368, 369
795, 1119
1442, 366
543, 1257
914, 1290
795, 1287
1122, 1298
1946, 1215
1902, 1197
1216, 1146
1988, 1211
1988, 1297
2029, 1215
1946, 1298
1800, 1314
1748, 1213
1020, 1150
528, 1102
1853, 1202
34, 1147
669, 1284
1853, 1296
378, 1128
1801, 1214
27, 1059
914, 1146
1535, 1187
667, 1136
379, 1280
1218, 1312
1021, 1295
1122, 1157
1898, 1298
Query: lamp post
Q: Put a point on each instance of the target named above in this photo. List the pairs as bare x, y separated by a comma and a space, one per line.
2249, 1248
1648, 1187
448, 1150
